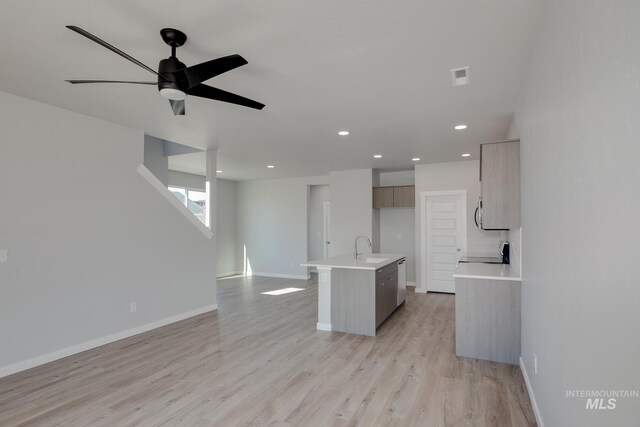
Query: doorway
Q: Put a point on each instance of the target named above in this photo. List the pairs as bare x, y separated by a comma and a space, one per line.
319, 222
444, 237
326, 227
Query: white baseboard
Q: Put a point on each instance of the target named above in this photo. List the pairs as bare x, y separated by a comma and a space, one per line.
532, 397
283, 276
420, 290
323, 326
411, 284
229, 273
79, 348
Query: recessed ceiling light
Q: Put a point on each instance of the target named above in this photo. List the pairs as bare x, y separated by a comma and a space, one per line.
378, 156
270, 166
460, 127
343, 133
416, 159
466, 155
218, 171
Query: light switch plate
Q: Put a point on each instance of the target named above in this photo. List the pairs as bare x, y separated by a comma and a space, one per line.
4, 255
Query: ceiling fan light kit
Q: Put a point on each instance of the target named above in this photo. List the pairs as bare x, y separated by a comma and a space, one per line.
175, 79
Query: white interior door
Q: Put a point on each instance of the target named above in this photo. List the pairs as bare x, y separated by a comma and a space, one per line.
446, 239
326, 229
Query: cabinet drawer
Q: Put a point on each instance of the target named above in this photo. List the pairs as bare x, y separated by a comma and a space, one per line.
382, 272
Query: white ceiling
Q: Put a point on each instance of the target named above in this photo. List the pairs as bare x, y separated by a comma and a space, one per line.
379, 69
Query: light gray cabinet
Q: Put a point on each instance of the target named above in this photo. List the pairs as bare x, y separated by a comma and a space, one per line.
500, 186
362, 299
488, 319
386, 292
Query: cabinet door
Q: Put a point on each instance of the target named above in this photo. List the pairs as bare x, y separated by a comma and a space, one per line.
380, 307
386, 296
500, 188
404, 197
391, 293
383, 197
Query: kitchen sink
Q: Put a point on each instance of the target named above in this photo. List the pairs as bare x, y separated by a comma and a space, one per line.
374, 260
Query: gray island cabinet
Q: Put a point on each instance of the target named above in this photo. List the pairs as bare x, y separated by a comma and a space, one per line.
358, 295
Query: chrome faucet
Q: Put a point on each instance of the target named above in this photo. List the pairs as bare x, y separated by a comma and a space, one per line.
355, 249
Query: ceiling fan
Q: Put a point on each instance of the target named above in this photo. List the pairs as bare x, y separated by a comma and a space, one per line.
176, 80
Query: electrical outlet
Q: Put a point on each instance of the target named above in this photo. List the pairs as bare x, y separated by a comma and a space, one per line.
133, 307
4, 255
535, 364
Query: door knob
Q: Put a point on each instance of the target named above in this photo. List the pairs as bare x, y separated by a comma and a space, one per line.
458, 249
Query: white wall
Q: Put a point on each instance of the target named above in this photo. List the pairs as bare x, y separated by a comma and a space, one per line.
351, 210
272, 225
390, 179
318, 196
187, 180
226, 214
397, 225
154, 158
86, 235
579, 124
454, 176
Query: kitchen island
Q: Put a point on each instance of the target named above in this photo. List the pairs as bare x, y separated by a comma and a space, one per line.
356, 296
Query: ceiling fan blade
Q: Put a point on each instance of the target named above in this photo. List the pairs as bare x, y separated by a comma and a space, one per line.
204, 91
177, 107
75, 82
199, 73
110, 47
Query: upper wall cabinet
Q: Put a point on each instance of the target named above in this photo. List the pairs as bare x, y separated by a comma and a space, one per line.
394, 197
499, 207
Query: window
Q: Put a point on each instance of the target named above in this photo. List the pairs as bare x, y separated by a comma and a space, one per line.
195, 200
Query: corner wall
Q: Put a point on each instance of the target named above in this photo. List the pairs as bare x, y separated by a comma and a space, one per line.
272, 226
187, 180
351, 210
154, 158
86, 235
226, 228
318, 196
579, 126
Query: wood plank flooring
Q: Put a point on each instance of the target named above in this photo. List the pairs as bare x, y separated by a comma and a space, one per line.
259, 361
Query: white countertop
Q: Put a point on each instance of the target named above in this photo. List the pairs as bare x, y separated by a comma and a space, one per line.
347, 261
486, 271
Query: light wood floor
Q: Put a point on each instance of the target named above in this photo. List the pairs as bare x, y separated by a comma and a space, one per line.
259, 361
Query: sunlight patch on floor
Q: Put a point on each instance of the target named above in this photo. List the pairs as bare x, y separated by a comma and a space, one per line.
283, 291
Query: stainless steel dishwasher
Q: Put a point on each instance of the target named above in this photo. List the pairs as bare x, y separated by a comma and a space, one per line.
402, 280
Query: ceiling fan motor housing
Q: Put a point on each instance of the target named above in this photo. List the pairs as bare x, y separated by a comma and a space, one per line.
167, 76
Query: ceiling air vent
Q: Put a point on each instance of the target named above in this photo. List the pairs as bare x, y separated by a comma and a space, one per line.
460, 76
